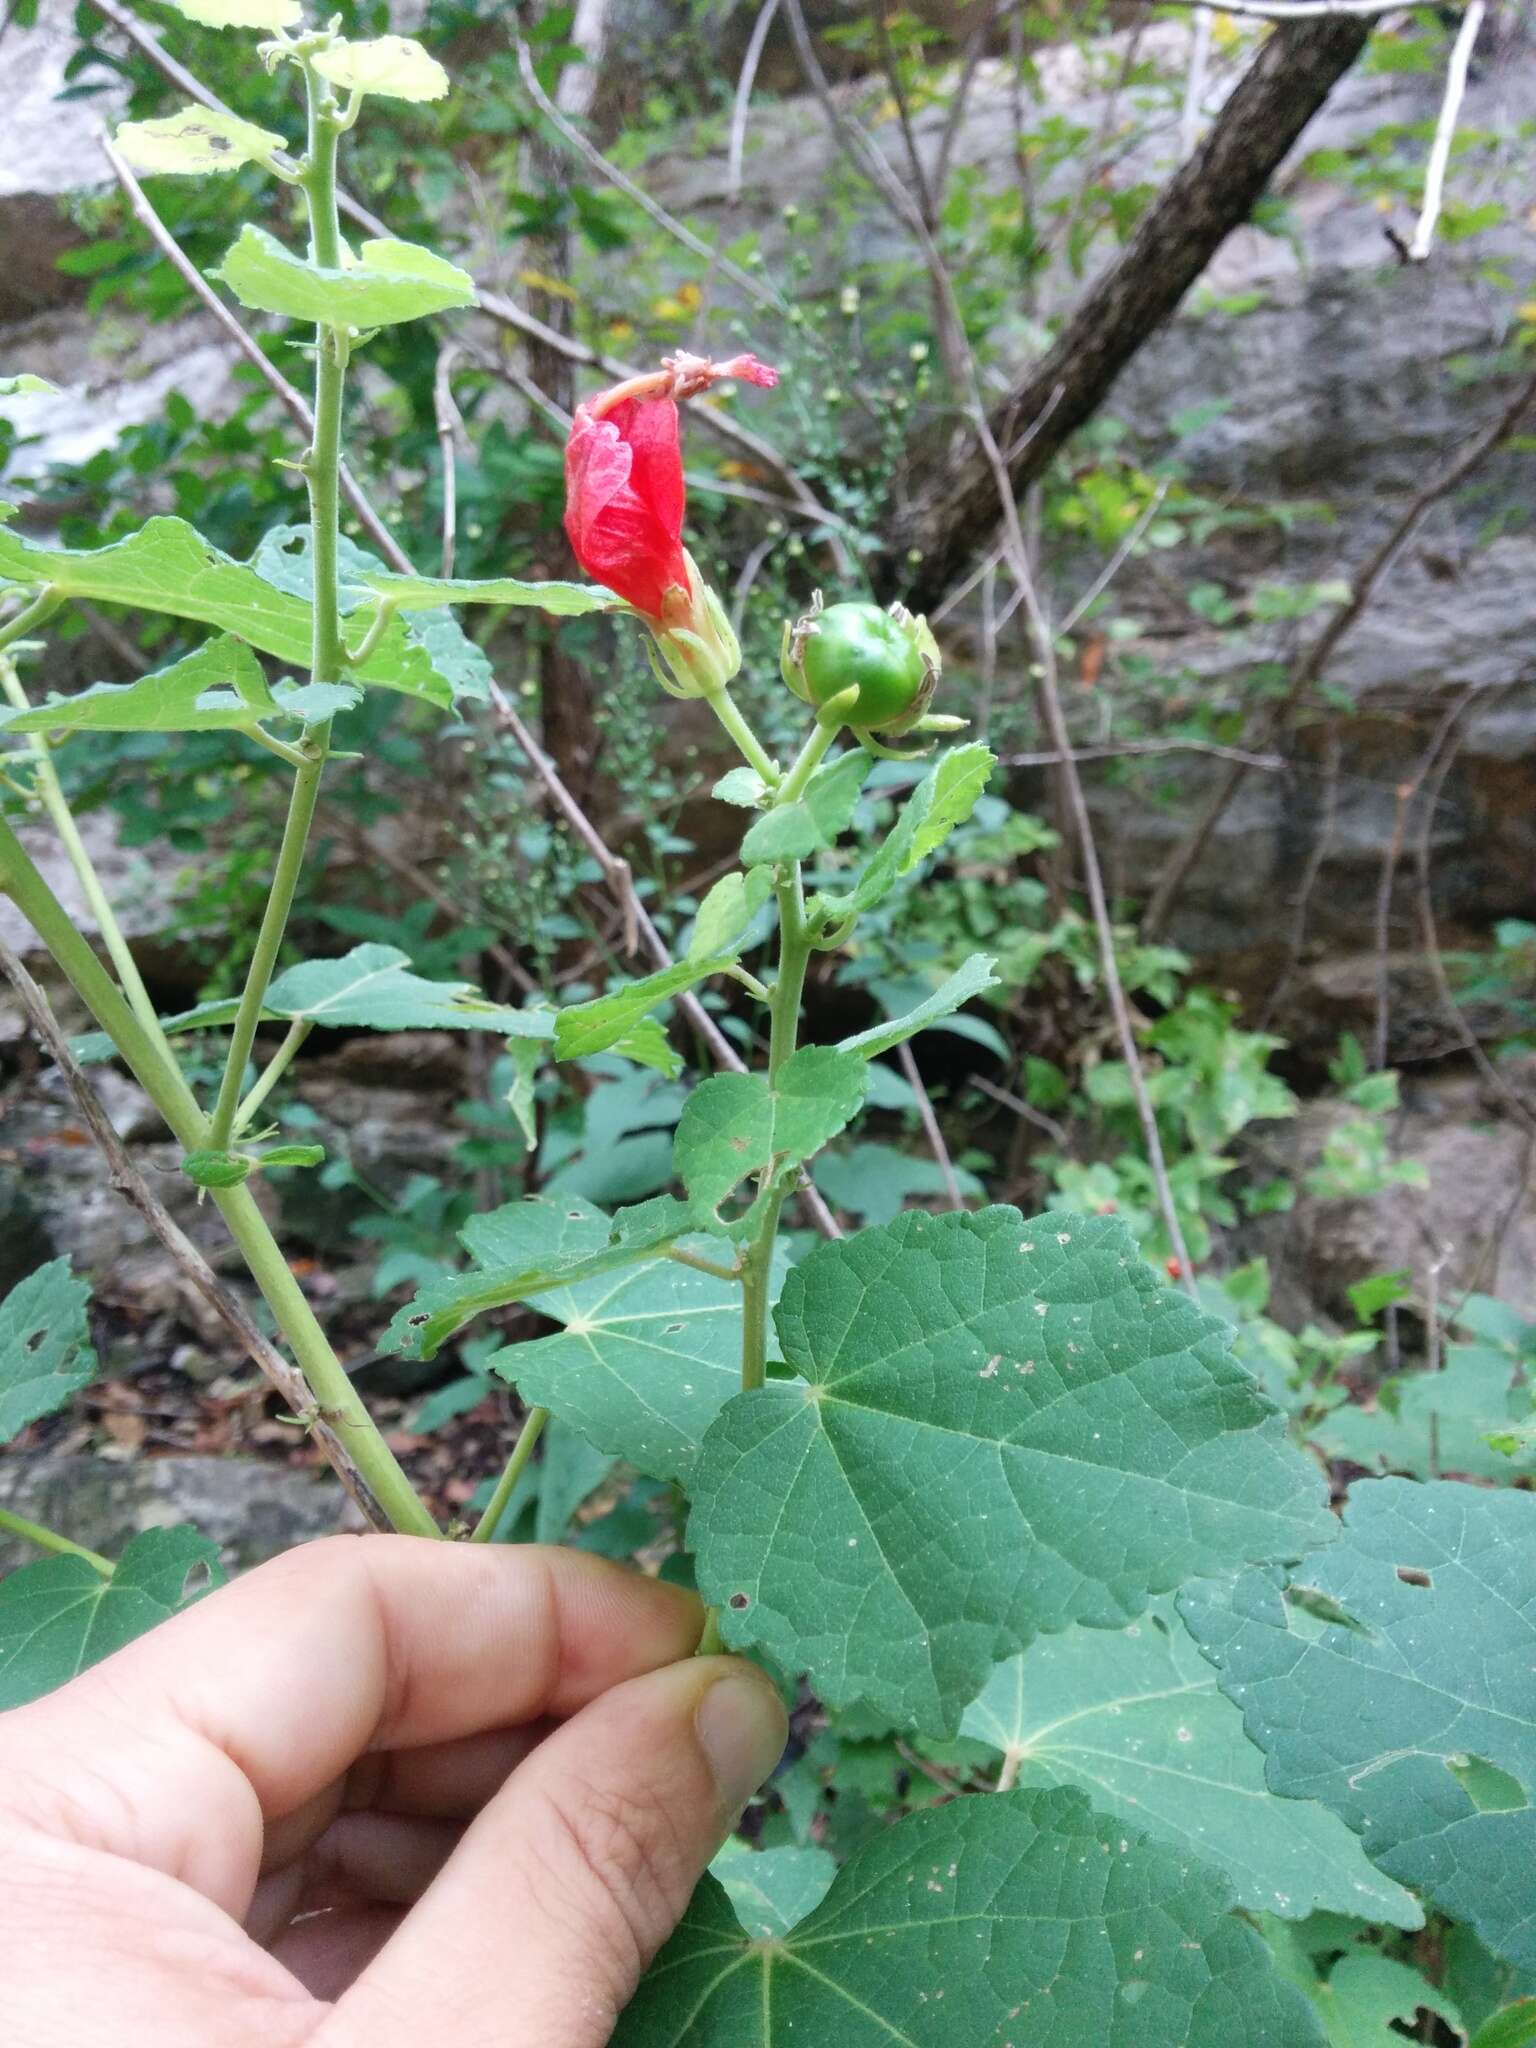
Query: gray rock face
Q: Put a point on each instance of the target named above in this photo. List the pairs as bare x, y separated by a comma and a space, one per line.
252, 1511
48, 149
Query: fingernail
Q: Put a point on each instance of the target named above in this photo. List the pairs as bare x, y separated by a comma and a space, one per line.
742, 1728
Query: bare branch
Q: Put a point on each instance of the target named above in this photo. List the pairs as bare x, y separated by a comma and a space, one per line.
1445, 132
930, 1124
1130, 749
1057, 1133
1194, 82
741, 106
449, 423
285, 1379
754, 288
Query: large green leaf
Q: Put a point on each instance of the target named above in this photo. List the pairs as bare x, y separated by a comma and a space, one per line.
1440, 1421
1134, 1718
811, 824
218, 687
45, 1345
59, 1615
168, 567
196, 140
390, 281
734, 1125
1023, 1921
583, 1029
646, 1361
944, 798
1003, 1427
1411, 1709
524, 1248
972, 978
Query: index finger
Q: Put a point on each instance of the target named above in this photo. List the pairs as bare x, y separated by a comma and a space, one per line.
175, 1751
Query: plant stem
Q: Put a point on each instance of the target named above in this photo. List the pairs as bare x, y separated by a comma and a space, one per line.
49, 1539
56, 804
522, 1451
805, 763
322, 469
335, 1396
751, 747
784, 1026
272, 1072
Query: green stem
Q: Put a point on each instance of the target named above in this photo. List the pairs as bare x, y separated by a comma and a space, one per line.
805, 763
49, 1539
723, 705
522, 1451
56, 804
42, 607
273, 1072
162, 1081
784, 1026
322, 468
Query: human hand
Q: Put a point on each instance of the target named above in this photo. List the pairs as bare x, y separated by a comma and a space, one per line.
380, 1793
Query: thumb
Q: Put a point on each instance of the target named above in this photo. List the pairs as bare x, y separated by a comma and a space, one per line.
536, 1931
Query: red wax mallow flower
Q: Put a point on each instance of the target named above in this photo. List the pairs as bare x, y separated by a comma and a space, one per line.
624, 493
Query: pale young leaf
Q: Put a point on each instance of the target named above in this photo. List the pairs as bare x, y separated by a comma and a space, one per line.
197, 139
391, 281
396, 67
267, 14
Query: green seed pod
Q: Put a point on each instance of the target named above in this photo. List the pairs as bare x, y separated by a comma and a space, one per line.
859, 644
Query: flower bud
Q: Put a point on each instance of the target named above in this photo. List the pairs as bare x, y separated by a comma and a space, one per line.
695, 640
889, 660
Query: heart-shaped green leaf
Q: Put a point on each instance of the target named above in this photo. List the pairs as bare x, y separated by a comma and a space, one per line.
1022, 1921
1002, 1427
1135, 1719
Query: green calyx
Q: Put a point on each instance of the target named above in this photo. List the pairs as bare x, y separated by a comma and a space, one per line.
696, 653
873, 670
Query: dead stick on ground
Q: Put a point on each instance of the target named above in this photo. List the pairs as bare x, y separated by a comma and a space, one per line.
285, 1379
